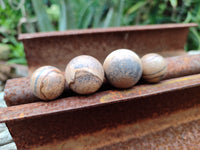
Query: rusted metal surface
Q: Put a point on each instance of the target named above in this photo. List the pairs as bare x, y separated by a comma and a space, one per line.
97, 99
173, 131
172, 135
17, 91
62, 122
182, 65
147, 116
58, 48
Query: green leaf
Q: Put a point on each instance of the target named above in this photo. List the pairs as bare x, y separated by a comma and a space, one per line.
66, 19
43, 21
120, 13
2, 4
53, 12
196, 35
88, 18
99, 7
188, 18
108, 18
21, 60
135, 7
85, 16
173, 3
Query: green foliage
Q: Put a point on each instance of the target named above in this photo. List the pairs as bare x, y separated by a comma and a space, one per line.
78, 14
44, 23
8, 25
49, 15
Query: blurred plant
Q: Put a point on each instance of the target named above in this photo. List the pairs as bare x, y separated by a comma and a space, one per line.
68, 14
78, 14
167, 11
8, 32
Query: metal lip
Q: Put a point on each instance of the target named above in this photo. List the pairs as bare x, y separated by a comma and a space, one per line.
68, 104
27, 36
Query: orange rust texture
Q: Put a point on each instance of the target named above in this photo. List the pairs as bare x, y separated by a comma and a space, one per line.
17, 91
72, 102
58, 48
66, 126
38, 124
182, 65
175, 131
185, 136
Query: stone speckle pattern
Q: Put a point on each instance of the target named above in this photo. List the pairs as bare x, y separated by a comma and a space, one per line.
123, 68
84, 74
154, 67
6, 141
47, 83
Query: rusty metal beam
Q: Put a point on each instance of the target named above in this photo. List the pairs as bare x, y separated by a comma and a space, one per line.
148, 115
17, 91
68, 119
178, 130
97, 99
182, 66
58, 48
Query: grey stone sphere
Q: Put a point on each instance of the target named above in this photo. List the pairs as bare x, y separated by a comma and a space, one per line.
123, 68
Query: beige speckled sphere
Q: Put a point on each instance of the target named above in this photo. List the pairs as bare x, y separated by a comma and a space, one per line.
84, 74
47, 82
123, 68
154, 67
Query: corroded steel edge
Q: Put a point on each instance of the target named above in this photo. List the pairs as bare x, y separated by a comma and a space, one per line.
140, 134
30, 36
70, 125
58, 48
98, 99
17, 91
182, 66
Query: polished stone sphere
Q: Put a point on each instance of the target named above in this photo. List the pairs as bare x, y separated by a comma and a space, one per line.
154, 67
84, 74
123, 68
47, 82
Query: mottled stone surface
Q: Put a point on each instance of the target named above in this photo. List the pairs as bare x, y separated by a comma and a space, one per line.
6, 141
84, 74
123, 68
47, 83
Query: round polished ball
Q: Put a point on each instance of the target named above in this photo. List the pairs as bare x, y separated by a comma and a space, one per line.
84, 74
47, 82
123, 68
154, 67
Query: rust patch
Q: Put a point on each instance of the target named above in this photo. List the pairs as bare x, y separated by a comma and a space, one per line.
100, 42
100, 98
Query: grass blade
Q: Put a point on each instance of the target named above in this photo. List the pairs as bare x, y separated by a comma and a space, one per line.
135, 7
63, 16
85, 17
120, 13
44, 23
173, 3
108, 18
99, 10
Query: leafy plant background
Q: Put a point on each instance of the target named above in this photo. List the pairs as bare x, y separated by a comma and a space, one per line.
28, 16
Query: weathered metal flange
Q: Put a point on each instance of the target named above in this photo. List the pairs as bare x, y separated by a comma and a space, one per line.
97, 99
17, 91
92, 120
58, 48
148, 115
